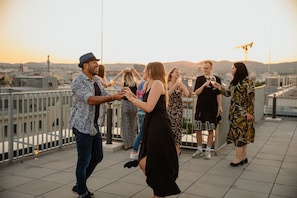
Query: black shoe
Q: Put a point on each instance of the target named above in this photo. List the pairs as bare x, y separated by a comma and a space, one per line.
85, 196
74, 189
236, 164
245, 161
133, 163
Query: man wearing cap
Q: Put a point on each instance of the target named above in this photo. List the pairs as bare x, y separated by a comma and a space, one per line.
88, 94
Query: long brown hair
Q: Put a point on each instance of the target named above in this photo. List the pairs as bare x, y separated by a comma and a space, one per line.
169, 75
101, 71
156, 71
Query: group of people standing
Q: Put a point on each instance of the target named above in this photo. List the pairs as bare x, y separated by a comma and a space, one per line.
157, 99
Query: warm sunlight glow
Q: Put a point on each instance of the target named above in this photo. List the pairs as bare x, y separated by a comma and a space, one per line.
149, 30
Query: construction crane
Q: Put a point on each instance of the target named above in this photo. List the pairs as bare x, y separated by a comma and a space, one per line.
245, 48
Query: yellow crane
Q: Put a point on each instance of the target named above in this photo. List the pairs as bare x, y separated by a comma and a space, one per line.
245, 48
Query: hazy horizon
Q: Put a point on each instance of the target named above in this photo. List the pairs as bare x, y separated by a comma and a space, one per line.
149, 30
144, 63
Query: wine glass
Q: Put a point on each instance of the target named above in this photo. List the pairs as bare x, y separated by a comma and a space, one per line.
212, 80
208, 79
111, 83
190, 82
36, 153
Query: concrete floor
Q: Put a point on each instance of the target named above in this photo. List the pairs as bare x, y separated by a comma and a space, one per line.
270, 173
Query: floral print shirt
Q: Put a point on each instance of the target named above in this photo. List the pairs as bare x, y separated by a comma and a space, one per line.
82, 114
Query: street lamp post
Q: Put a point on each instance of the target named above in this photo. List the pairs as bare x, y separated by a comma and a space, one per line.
109, 109
101, 58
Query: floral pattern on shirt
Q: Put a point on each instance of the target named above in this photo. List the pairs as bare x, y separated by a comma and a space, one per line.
82, 114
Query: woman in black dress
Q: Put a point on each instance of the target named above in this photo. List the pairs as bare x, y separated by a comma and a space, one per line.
158, 158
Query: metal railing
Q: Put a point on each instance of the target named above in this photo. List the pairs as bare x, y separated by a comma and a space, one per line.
282, 103
39, 121
33, 120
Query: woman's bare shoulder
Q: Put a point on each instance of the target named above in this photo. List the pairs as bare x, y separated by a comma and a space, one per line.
158, 85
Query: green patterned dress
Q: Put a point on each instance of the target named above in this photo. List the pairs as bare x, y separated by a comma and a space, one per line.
241, 130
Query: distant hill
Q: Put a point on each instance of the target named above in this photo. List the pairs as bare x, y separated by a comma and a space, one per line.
186, 67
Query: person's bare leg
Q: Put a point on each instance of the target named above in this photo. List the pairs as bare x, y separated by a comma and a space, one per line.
209, 144
178, 149
210, 138
199, 151
199, 138
244, 152
238, 155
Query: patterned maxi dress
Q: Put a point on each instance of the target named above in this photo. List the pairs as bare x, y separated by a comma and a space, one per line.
158, 146
241, 130
129, 120
175, 112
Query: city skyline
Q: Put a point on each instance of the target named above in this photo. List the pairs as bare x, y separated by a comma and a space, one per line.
148, 30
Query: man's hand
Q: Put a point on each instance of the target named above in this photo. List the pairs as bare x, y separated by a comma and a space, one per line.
118, 96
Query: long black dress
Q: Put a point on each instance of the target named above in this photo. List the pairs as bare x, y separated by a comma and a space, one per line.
159, 147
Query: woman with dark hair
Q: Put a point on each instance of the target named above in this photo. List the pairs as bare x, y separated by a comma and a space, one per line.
241, 114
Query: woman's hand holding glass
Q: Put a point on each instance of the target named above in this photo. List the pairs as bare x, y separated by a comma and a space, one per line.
111, 83
128, 93
217, 85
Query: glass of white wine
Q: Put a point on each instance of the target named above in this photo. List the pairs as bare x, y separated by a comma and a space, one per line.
36, 153
111, 82
190, 83
212, 80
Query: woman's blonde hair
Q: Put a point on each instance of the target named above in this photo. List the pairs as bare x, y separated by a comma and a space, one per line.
129, 78
156, 71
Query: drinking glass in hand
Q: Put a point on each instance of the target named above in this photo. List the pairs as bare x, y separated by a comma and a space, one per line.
190, 83
212, 80
178, 83
208, 79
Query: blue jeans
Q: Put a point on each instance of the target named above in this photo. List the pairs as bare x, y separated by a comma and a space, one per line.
89, 154
139, 135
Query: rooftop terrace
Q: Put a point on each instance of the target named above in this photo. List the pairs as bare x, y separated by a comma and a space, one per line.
270, 173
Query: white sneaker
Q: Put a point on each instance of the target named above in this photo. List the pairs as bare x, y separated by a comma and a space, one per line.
207, 155
198, 153
133, 156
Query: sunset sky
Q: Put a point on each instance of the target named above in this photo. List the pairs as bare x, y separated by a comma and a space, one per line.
140, 31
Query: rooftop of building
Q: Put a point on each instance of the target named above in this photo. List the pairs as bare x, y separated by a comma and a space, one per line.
271, 171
